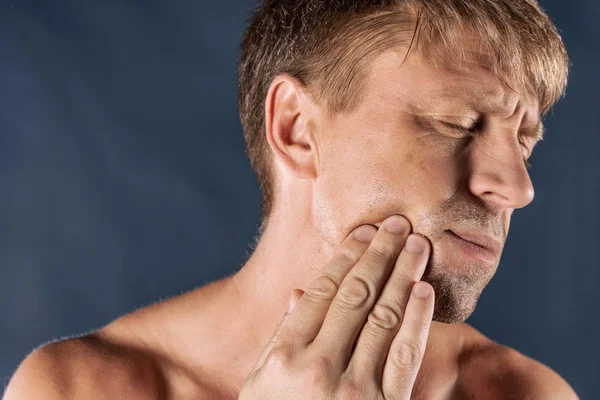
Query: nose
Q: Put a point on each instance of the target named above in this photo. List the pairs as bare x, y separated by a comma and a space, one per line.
498, 174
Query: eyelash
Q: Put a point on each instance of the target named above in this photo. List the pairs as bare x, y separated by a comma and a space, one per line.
462, 129
470, 131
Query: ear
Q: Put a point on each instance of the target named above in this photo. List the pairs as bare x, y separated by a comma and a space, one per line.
289, 117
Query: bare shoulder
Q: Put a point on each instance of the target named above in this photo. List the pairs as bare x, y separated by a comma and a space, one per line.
142, 355
493, 371
89, 367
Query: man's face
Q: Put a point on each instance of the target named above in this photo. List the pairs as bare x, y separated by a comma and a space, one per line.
402, 151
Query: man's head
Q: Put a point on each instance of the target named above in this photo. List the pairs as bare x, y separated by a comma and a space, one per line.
426, 109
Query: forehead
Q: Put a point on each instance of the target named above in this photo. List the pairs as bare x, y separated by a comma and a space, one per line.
423, 85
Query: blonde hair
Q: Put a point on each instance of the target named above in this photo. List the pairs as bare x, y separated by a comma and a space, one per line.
328, 44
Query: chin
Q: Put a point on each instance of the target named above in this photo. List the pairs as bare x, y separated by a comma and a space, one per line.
456, 294
450, 307
458, 279
457, 274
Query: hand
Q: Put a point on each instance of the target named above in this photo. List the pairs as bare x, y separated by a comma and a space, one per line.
363, 341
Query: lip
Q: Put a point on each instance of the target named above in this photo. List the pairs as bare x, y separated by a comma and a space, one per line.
483, 247
484, 241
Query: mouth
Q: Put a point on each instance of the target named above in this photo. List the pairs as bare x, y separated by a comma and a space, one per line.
481, 247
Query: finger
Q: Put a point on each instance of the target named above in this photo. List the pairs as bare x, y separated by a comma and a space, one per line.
308, 316
385, 318
359, 290
408, 347
296, 294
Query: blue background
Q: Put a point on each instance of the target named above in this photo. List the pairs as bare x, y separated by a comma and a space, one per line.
123, 178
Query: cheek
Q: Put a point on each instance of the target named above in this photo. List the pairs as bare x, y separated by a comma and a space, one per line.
351, 186
365, 181
437, 174
360, 181
416, 173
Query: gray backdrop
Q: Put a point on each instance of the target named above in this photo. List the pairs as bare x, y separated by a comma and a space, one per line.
123, 178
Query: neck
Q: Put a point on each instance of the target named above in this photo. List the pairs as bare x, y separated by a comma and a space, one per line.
287, 257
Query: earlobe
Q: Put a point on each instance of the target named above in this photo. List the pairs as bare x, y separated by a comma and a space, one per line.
289, 133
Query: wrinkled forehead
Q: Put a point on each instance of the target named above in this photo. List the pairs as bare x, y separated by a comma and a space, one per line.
465, 80
470, 57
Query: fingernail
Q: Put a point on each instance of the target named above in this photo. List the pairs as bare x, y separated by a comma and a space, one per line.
421, 290
395, 224
365, 233
415, 244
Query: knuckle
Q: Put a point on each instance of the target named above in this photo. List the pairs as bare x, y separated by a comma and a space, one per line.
348, 255
411, 263
381, 251
407, 355
354, 291
385, 317
323, 288
319, 371
279, 358
353, 389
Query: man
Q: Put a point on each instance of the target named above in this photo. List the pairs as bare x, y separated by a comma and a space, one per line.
407, 115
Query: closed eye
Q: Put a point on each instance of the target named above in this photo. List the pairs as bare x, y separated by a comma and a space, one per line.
469, 131
463, 129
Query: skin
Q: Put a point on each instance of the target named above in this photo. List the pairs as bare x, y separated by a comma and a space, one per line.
392, 155
312, 354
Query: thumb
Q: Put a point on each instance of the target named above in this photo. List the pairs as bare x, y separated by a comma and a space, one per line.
295, 295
